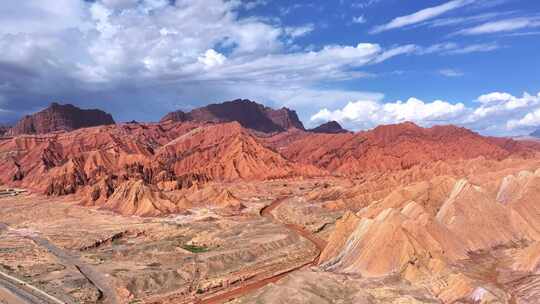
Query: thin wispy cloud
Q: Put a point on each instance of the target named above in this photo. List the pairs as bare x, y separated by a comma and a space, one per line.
295, 32
522, 34
506, 25
401, 50
359, 19
365, 4
453, 48
475, 48
450, 73
249, 5
453, 21
422, 15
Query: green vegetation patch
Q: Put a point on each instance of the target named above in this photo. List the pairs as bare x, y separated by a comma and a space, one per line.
195, 249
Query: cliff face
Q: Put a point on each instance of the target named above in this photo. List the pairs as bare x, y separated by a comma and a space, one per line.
60, 118
285, 118
249, 114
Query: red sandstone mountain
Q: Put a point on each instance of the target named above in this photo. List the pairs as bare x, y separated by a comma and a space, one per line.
331, 127
392, 147
440, 232
249, 114
225, 151
95, 163
60, 118
443, 208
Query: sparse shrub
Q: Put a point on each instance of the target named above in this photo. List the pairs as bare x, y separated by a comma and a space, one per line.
195, 249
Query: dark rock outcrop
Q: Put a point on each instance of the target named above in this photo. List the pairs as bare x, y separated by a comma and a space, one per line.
59, 117
536, 133
248, 113
177, 116
331, 127
3, 130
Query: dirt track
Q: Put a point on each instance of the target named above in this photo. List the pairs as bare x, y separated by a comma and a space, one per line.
13, 290
248, 288
107, 292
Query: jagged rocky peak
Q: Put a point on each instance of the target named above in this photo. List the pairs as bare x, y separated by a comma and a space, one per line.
249, 114
331, 127
58, 117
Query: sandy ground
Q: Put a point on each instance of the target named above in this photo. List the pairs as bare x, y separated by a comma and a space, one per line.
85, 255
7, 297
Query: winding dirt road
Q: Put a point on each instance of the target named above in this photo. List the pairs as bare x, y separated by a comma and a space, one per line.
107, 292
248, 288
100, 282
15, 291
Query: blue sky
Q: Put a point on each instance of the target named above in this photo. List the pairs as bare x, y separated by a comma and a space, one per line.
474, 63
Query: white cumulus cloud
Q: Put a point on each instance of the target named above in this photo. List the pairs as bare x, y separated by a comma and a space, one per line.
211, 58
364, 114
150, 53
493, 113
495, 97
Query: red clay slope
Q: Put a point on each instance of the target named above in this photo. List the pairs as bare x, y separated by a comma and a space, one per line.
393, 147
95, 162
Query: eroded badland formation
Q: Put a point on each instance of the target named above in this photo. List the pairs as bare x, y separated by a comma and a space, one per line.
239, 202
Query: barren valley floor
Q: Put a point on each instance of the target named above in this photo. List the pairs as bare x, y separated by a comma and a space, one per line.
78, 254
292, 243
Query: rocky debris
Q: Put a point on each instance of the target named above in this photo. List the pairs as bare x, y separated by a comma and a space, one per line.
249, 114
331, 127
59, 117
